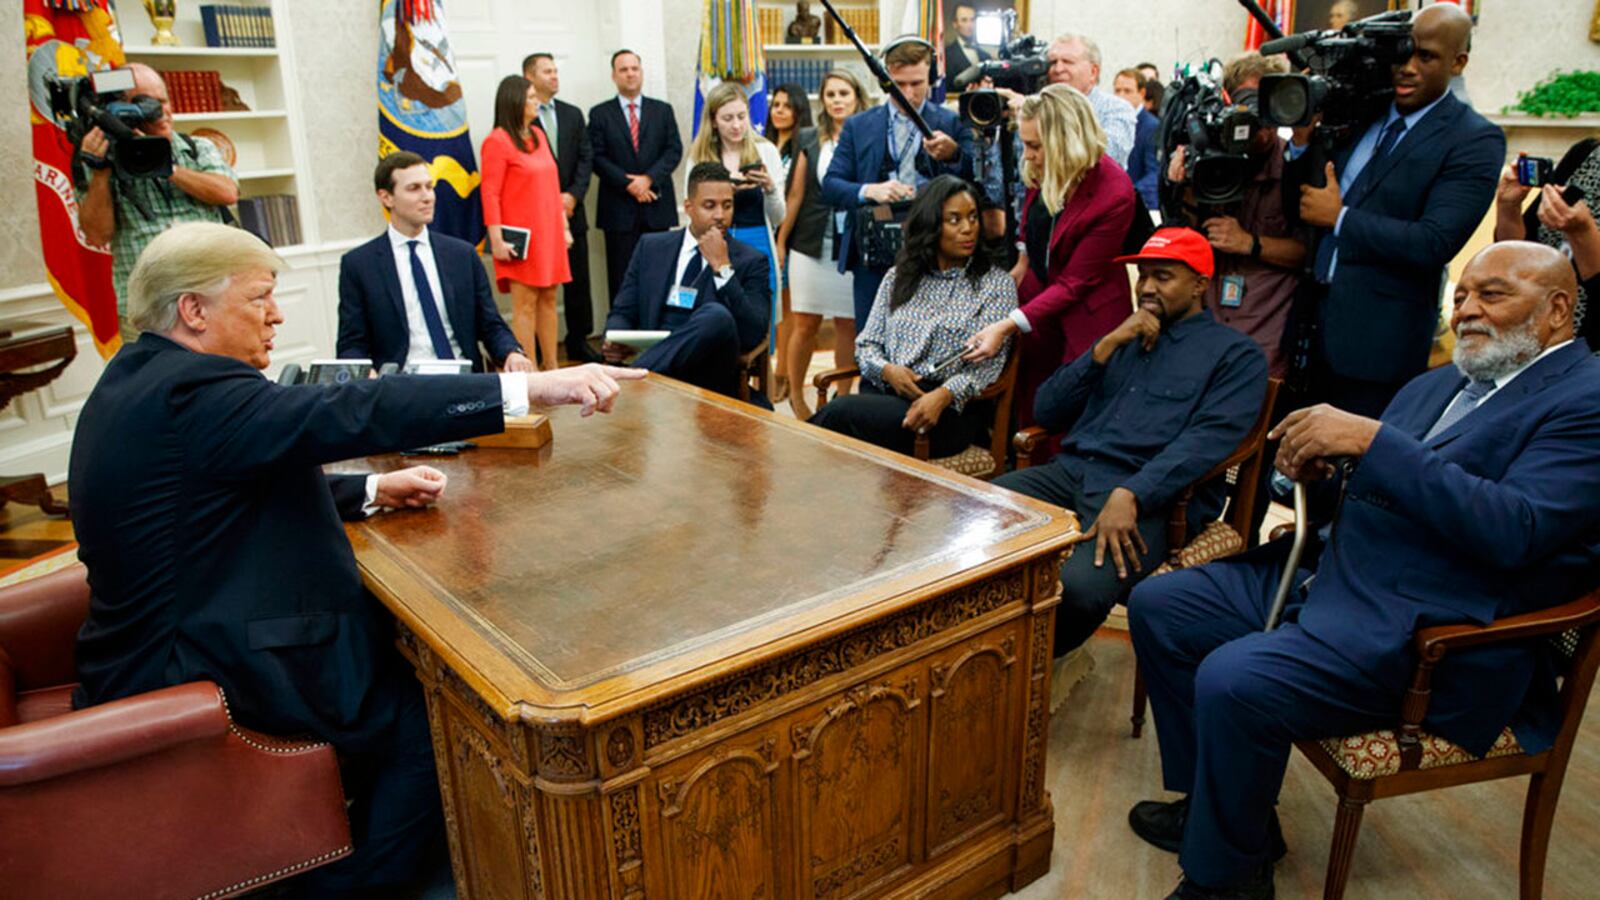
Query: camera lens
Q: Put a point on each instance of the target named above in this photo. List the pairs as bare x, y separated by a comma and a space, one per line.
1288, 104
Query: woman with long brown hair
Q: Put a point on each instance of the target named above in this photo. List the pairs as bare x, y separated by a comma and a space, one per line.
521, 190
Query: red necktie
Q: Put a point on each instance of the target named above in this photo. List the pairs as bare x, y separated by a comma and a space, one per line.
633, 125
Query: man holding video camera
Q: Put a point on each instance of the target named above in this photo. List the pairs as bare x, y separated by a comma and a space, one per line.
1401, 198
127, 213
883, 159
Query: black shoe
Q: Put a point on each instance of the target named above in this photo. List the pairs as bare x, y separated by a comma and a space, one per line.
581, 352
1258, 886
1161, 825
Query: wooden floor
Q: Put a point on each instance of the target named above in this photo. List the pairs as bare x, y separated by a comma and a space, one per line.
1456, 843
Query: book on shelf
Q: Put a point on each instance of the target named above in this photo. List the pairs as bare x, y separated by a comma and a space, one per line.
193, 92
235, 25
275, 218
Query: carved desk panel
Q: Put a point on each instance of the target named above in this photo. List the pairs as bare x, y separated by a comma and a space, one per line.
691, 649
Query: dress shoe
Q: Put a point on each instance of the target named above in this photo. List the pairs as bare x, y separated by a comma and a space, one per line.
1161, 824
581, 352
1258, 886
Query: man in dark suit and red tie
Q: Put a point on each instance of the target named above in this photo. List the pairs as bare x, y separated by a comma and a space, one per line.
569, 138
636, 148
413, 294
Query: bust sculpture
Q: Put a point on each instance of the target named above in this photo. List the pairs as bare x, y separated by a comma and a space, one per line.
805, 27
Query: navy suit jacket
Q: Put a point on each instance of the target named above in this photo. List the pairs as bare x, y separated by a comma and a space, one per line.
1495, 516
1420, 205
372, 310
1144, 166
642, 299
213, 538
660, 150
862, 152
574, 159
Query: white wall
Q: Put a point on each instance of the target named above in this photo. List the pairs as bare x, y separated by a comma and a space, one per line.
334, 45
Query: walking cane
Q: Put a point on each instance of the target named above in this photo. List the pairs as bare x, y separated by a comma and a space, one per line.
1301, 527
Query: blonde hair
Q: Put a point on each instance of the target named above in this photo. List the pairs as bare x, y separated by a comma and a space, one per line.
707, 145
826, 131
191, 258
1072, 141
1250, 65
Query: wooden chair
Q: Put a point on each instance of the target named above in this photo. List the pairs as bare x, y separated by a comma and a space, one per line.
755, 365
1406, 760
1241, 470
977, 461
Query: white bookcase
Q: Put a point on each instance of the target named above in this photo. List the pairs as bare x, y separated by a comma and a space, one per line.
271, 150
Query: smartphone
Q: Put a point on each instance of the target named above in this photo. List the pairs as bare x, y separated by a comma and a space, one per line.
753, 167
944, 367
1534, 171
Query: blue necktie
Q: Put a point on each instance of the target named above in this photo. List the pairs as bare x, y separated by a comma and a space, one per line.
692, 270
430, 307
1466, 401
1330, 243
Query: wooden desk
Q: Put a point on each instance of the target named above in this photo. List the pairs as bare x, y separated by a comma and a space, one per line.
27, 346
694, 650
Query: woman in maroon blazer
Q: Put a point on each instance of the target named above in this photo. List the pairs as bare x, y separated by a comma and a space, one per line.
1075, 216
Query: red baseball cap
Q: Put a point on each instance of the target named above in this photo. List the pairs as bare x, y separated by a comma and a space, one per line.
1183, 245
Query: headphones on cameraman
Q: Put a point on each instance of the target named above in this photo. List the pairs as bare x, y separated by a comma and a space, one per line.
934, 74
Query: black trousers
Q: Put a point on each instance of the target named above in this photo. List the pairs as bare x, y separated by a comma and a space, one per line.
874, 415
1088, 592
619, 252
703, 350
396, 821
576, 295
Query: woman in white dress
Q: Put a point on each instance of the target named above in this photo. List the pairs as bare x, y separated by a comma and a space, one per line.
816, 287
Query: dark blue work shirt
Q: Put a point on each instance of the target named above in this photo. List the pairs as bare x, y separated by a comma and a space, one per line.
1154, 421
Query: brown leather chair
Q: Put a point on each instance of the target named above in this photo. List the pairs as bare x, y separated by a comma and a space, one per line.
978, 461
1407, 760
155, 795
1241, 472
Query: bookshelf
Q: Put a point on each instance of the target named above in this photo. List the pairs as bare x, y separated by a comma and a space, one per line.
805, 64
270, 150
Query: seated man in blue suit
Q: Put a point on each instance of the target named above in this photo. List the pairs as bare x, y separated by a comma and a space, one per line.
882, 158
1400, 201
393, 288
1476, 496
213, 538
706, 288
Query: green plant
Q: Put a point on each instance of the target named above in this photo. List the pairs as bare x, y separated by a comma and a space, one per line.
1562, 94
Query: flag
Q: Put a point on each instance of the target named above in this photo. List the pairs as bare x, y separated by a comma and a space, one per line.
925, 19
1281, 11
420, 109
730, 50
67, 38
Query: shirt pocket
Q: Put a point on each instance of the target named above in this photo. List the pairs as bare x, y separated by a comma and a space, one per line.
1161, 407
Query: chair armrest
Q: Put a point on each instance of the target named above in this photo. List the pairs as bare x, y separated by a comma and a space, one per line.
111, 733
750, 357
1433, 643
823, 379
1028, 442
39, 622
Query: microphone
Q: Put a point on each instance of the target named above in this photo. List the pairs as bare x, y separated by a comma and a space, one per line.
1027, 68
1293, 43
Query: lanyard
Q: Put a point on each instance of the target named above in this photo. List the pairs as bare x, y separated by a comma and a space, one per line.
898, 154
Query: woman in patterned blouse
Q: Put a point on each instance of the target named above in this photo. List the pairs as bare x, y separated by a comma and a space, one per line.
943, 289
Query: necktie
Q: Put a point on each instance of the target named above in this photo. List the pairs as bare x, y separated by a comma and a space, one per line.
633, 124
1466, 401
430, 308
691, 272
547, 118
1323, 268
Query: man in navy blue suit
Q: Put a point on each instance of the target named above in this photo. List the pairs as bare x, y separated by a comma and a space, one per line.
882, 158
706, 288
412, 294
1400, 202
1476, 496
213, 539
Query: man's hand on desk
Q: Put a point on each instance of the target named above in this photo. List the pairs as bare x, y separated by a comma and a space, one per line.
1309, 437
593, 387
415, 487
517, 362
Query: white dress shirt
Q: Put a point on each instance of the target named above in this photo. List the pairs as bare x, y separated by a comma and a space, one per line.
421, 345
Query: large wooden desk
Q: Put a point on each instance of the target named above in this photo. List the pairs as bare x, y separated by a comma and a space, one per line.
694, 650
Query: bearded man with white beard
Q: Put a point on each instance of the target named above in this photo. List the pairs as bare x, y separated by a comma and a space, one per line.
1475, 497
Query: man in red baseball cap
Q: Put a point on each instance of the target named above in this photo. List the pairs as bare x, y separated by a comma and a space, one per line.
1147, 411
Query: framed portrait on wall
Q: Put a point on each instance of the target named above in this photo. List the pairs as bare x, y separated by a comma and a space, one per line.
977, 22
1316, 15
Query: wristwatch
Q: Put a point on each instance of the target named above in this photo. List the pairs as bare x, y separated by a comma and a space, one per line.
725, 271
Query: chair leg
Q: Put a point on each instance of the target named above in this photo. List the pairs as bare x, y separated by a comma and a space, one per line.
1140, 700
1346, 828
1544, 789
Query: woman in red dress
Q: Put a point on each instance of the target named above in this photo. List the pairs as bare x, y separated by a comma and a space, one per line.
521, 188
